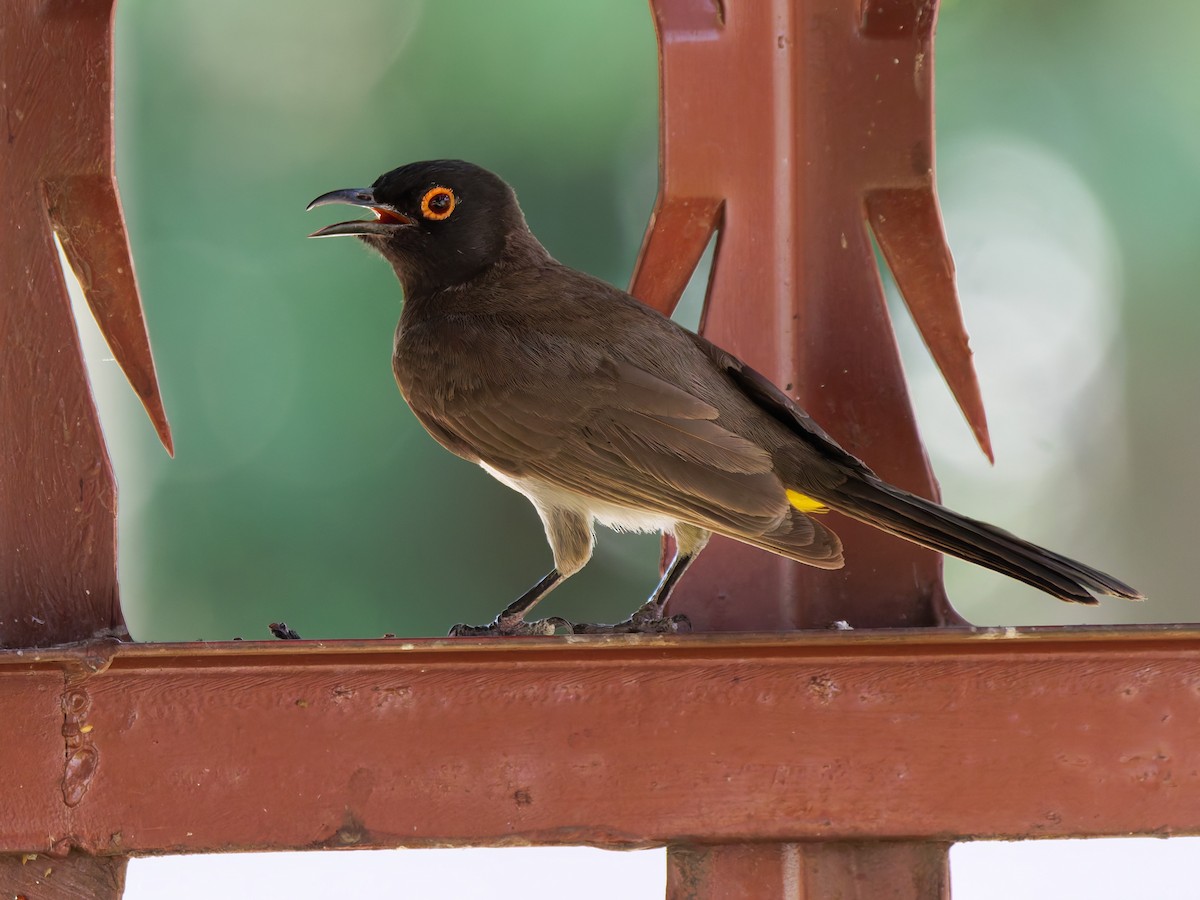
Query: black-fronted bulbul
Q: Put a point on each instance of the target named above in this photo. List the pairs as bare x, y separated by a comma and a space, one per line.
598, 408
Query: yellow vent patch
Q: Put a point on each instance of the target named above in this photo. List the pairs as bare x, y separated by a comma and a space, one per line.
805, 503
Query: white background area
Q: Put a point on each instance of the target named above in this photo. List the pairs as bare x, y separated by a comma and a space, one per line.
1112, 869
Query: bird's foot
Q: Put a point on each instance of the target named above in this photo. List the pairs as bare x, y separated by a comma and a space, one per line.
647, 620
512, 627
281, 631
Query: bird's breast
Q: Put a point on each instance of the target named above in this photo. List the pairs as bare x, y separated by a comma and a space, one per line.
439, 369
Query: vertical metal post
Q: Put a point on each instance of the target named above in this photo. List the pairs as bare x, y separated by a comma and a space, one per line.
866, 871
796, 129
58, 579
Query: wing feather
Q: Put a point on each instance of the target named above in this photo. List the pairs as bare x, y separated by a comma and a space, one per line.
626, 437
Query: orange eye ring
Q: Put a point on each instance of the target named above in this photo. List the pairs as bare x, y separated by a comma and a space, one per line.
438, 203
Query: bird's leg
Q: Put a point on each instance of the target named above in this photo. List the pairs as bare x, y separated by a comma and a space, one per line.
649, 618
653, 608
511, 622
569, 533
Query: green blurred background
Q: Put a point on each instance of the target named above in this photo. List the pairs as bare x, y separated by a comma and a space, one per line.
303, 489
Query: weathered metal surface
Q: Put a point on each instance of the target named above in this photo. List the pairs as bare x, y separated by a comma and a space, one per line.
787, 125
631, 741
734, 872
58, 527
880, 870
876, 870
74, 877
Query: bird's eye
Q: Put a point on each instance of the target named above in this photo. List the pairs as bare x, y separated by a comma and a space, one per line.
438, 203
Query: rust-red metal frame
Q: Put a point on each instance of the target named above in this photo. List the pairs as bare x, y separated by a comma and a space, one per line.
784, 765
930, 735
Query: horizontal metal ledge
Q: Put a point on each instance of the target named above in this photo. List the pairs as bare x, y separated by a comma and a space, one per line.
620, 741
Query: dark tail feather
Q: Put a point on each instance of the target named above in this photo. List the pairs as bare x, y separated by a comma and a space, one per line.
930, 525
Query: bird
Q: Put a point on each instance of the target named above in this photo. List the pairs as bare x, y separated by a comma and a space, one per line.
598, 408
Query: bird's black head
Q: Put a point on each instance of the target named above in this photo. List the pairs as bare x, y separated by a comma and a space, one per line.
439, 223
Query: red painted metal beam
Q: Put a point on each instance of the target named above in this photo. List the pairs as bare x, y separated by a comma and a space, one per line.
934, 736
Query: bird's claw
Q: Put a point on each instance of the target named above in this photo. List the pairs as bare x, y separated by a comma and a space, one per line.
502, 627
647, 620
283, 632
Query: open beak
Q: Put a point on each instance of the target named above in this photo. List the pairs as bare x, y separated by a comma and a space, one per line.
386, 220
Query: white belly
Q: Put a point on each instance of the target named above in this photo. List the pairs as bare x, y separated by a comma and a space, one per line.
619, 518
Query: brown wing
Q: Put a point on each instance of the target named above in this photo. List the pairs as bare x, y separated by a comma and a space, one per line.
621, 435
663, 449
759, 390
